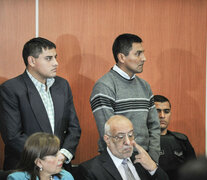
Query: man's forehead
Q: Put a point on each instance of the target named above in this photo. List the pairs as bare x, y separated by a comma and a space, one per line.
47, 51
124, 132
137, 46
121, 129
162, 105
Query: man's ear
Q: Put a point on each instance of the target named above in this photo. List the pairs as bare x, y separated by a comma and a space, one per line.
121, 57
106, 139
31, 61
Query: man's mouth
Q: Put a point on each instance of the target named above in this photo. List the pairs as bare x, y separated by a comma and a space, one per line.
163, 122
128, 149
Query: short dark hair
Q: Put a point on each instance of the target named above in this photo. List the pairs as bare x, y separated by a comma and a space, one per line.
123, 44
34, 48
160, 98
38, 145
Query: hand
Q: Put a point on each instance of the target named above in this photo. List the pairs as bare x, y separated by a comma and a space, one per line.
143, 158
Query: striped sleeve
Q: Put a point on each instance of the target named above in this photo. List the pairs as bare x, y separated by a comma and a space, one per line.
102, 101
102, 104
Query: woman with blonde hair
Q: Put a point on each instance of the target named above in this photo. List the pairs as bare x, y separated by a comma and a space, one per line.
40, 160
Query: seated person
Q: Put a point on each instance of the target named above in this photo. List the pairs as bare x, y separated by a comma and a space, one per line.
195, 169
175, 147
115, 163
41, 160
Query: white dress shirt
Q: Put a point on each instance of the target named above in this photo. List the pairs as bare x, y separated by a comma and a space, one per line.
120, 168
46, 97
122, 73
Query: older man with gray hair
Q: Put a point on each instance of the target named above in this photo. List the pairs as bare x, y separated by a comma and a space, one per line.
115, 163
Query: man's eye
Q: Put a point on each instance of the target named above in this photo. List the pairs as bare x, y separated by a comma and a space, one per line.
138, 53
120, 137
48, 58
167, 111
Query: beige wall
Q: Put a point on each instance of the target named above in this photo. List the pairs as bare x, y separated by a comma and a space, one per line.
174, 35
17, 25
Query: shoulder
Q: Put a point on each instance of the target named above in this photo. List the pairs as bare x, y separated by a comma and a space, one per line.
18, 176
61, 83
59, 79
94, 164
13, 82
66, 175
16, 85
178, 135
142, 81
108, 77
105, 83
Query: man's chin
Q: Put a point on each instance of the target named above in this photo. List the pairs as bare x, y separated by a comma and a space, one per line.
127, 155
163, 128
52, 75
138, 71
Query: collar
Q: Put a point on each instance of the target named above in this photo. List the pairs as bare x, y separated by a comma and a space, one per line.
39, 85
122, 73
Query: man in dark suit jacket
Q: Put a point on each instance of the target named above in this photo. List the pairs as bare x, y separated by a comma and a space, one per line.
37, 101
119, 137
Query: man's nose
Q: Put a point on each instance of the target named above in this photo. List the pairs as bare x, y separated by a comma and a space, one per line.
143, 57
127, 140
55, 63
162, 114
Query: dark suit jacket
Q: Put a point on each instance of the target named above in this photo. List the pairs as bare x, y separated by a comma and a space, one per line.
22, 113
102, 168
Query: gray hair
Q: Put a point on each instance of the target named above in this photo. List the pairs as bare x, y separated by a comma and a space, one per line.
107, 128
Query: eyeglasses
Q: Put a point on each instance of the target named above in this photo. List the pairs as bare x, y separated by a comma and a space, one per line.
122, 136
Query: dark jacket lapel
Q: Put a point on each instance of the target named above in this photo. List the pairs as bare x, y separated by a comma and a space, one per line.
37, 105
58, 101
109, 166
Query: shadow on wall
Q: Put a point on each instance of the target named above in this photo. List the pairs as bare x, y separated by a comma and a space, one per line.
77, 68
2, 80
181, 77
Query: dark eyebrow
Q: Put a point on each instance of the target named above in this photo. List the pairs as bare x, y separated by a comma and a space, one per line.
51, 56
139, 52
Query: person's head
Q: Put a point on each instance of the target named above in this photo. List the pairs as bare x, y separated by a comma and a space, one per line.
129, 53
195, 169
40, 156
39, 56
119, 136
163, 107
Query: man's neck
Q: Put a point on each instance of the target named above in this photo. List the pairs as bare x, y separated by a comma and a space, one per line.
123, 68
36, 76
163, 132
